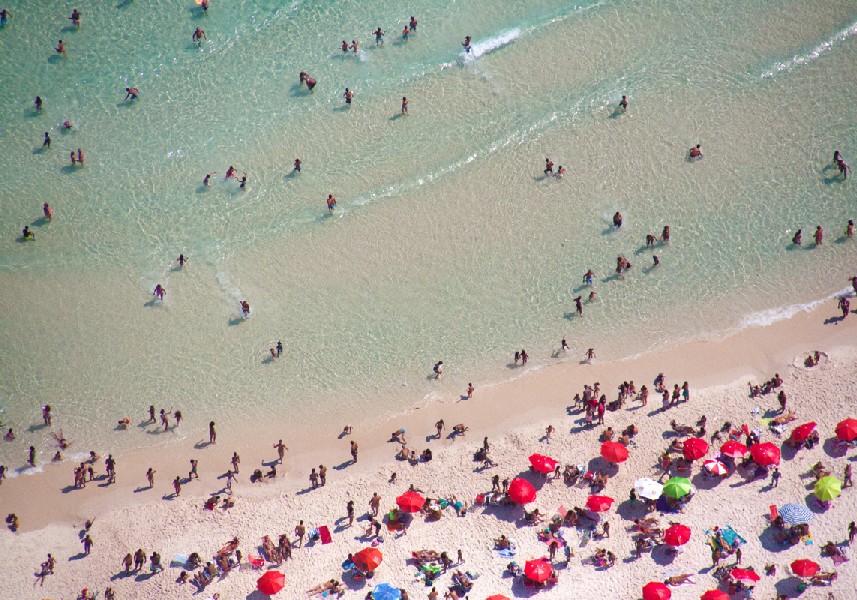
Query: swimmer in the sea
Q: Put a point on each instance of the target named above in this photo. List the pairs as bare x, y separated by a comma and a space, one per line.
623, 104
466, 44
588, 277
665, 236
47, 142
650, 240
348, 95
131, 93
230, 172
695, 152
379, 36
61, 48
404, 105
182, 259
331, 203
560, 172
48, 211
297, 165
355, 47
75, 18
159, 292
243, 181
207, 181
797, 239
67, 124
413, 24
28, 235
617, 220
198, 36
204, 5
344, 46
656, 260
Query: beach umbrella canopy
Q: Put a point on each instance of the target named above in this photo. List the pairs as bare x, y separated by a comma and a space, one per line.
714, 595
497, 597
694, 448
521, 491
648, 488
599, 503
677, 535
655, 590
734, 449
368, 559
538, 570
801, 432
804, 568
614, 452
847, 430
385, 591
410, 502
765, 454
271, 582
677, 487
795, 514
745, 575
715, 467
828, 488
542, 463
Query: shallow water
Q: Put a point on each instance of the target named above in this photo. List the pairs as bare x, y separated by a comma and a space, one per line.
447, 242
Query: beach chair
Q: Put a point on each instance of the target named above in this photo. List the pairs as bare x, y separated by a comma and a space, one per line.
256, 562
774, 513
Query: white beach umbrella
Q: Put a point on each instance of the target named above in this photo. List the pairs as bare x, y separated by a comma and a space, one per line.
648, 488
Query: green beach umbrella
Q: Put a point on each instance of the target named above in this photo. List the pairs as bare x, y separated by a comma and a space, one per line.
677, 487
828, 488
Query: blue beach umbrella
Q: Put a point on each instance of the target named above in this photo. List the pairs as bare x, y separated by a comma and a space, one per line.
796, 514
385, 591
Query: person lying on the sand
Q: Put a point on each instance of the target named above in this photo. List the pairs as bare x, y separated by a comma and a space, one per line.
333, 586
460, 429
425, 555
678, 579
783, 419
228, 547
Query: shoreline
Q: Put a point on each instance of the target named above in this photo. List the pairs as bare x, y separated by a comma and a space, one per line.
754, 352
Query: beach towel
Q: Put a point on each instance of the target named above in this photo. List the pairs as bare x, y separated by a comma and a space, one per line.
324, 534
731, 536
179, 561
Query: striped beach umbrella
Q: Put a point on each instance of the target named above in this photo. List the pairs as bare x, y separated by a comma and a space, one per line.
715, 467
795, 514
827, 488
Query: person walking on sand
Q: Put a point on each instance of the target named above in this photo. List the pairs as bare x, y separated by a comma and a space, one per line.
439, 426
349, 509
194, 465
852, 532
313, 478
177, 485
127, 562
375, 504
438, 369
548, 432
353, 451
470, 390
87, 544
281, 450
150, 477
322, 475
212, 433
236, 460
590, 355
300, 531
846, 480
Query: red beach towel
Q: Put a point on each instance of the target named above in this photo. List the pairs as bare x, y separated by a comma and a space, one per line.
324, 534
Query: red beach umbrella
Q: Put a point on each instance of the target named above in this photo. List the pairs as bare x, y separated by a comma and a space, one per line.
765, 454
538, 570
497, 597
614, 452
410, 502
677, 535
655, 590
804, 568
733, 449
714, 595
694, 448
599, 503
271, 582
368, 559
801, 432
715, 467
745, 575
542, 463
847, 430
521, 491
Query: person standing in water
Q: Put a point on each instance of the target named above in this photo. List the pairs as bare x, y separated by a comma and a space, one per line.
80, 156
404, 106
47, 142
695, 152
48, 211
75, 18
413, 24
297, 165
406, 33
617, 220
819, 235
159, 292
797, 239
348, 95
623, 104
131, 93
198, 36
182, 260
849, 229
578, 304
466, 44
331, 203
355, 46
379, 37
5, 14
61, 48
548, 166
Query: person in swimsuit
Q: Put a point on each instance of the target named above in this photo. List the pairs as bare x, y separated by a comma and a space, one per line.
38, 103
199, 35
797, 240
131, 93
67, 124
47, 142
159, 292
331, 203
344, 46
404, 106
466, 44
48, 211
28, 235
75, 18
354, 46
623, 104
578, 304
560, 172
405, 33
617, 220
348, 95
849, 230
413, 24
80, 156
5, 14
695, 152
297, 165
548, 166
182, 260
819, 235
379, 36
206, 181
61, 48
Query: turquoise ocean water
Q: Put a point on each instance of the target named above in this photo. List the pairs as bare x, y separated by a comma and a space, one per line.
446, 243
